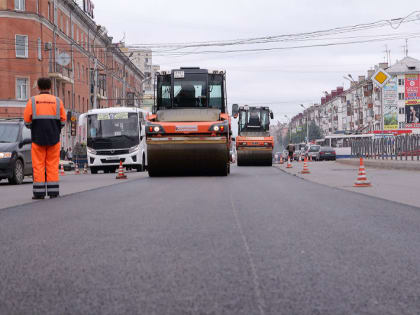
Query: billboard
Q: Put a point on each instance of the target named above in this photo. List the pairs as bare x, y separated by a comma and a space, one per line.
391, 104
412, 87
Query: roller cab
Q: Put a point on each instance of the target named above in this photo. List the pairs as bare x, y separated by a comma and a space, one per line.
254, 144
189, 131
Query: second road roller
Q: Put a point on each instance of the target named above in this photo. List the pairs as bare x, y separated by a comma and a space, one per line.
189, 130
254, 144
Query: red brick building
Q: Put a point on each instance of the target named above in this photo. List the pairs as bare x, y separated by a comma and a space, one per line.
59, 39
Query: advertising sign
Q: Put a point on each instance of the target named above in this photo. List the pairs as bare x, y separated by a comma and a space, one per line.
412, 87
391, 105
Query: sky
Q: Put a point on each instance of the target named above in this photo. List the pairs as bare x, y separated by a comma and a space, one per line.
281, 78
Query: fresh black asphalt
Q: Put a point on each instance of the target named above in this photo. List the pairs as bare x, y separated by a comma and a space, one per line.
257, 242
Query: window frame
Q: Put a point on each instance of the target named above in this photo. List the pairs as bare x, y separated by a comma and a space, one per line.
39, 49
20, 3
18, 88
26, 46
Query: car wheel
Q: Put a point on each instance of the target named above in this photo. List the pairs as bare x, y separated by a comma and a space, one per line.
18, 175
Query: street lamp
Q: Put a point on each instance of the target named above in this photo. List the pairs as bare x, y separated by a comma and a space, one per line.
307, 125
290, 128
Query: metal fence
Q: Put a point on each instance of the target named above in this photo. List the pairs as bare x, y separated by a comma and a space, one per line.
388, 148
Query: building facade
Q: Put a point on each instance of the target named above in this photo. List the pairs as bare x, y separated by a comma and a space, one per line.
367, 108
60, 40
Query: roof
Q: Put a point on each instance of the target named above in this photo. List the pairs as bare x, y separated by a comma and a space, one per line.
404, 65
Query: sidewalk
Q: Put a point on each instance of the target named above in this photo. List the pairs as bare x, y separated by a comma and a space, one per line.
390, 184
385, 164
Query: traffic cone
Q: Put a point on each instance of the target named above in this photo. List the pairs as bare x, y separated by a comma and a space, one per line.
305, 167
362, 180
289, 165
311, 158
62, 173
281, 160
76, 170
121, 174
85, 171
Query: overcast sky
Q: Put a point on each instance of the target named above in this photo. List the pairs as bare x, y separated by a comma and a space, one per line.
282, 79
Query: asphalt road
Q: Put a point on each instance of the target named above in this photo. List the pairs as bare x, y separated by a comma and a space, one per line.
257, 242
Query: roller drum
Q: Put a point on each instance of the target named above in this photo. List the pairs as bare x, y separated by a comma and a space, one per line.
254, 157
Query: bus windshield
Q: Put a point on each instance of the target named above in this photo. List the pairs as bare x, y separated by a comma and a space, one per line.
112, 130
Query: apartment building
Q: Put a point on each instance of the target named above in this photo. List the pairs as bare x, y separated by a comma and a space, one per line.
59, 39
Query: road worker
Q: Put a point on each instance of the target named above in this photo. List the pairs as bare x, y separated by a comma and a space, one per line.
45, 116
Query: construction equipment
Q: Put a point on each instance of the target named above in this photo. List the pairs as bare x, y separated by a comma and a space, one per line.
190, 129
254, 143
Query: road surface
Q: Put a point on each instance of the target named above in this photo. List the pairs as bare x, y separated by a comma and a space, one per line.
257, 242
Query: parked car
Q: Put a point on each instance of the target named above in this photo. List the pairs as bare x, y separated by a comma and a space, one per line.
296, 155
326, 153
67, 165
15, 150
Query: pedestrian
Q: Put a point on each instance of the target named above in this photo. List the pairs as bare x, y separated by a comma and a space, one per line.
45, 116
69, 154
291, 149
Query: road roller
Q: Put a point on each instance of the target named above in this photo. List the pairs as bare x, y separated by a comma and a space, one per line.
189, 130
254, 144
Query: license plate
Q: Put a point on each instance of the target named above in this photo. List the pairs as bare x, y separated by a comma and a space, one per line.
186, 128
109, 158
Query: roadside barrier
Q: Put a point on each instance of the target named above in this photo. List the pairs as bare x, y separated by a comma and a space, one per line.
76, 169
289, 165
305, 167
62, 173
121, 174
391, 147
362, 180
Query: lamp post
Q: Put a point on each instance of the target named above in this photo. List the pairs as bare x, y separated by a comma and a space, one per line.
307, 125
290, 129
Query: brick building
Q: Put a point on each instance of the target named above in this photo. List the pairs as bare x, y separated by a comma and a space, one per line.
59, 39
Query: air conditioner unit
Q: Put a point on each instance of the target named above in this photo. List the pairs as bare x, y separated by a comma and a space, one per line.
47, 46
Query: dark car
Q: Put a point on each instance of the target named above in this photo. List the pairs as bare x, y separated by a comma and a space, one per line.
15, 151
326, 153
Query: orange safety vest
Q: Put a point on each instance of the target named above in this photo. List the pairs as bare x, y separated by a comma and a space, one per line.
45, 115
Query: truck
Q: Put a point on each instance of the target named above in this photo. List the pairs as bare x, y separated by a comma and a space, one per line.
112, 135
189, 130
254, 144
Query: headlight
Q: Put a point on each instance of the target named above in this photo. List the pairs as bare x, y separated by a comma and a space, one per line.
133, 149
91, 151
156, 129
216, 128
5, 155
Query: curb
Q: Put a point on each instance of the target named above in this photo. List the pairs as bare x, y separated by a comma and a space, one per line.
384, 164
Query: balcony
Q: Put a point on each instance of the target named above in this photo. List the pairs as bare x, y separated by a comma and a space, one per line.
60, 73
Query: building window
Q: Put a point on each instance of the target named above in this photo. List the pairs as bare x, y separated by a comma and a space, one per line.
400, 81
39, 49
401, 96
402, 110
49, 11
22, 46
22, 89
20, 5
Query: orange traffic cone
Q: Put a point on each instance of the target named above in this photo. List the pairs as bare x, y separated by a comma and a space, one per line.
362, 180
76, 170
311, 158
289, 165
121, 174
85, 171
281, 159
305, 167
62, 173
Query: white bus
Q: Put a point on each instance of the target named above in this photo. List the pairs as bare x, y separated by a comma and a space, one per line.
342, 143
115, 134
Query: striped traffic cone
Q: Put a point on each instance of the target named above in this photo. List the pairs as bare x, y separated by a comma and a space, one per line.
362, 180
121, 174
85, 171
62, 173
289, 165
281, 160
305, 167
76, 169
